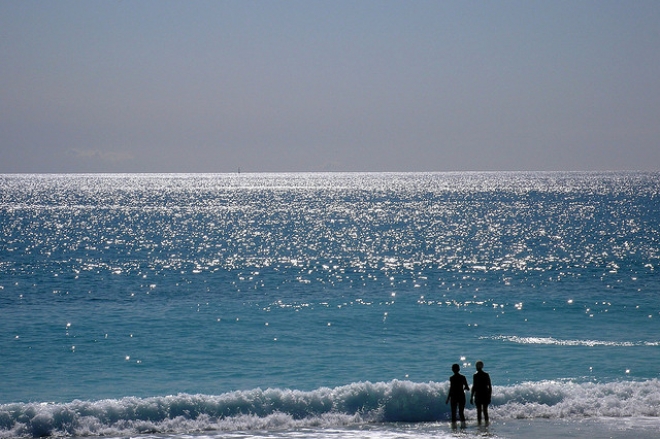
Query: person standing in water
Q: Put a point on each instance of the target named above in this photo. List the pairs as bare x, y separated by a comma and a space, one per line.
457, 386
481, 391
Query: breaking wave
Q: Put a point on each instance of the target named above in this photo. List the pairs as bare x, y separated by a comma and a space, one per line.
559, 342
357, 403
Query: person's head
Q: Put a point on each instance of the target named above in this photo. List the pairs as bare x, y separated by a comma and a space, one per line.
479, 364
455, 368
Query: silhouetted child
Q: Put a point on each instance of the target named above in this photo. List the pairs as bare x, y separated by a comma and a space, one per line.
457, 387
481, 391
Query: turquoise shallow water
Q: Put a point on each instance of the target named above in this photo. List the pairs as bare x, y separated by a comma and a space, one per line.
175, 304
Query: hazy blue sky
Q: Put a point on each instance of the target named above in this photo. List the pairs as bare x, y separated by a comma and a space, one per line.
211, 86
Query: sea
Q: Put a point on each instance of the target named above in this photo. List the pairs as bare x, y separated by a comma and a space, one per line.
328, 305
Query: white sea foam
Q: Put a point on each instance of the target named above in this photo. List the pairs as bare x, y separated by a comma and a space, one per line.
355, 404
560, 342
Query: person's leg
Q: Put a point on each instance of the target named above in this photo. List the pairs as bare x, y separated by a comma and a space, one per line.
454, 407
486, 413
479, 407
461, 410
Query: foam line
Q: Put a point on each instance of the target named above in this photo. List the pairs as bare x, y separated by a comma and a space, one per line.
356, 403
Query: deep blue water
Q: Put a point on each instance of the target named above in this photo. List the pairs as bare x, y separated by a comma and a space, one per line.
172, 304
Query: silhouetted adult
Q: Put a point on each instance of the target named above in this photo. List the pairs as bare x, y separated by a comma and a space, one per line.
457, 386
481, 391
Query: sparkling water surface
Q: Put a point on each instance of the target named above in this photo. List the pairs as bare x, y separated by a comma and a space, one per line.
174, 304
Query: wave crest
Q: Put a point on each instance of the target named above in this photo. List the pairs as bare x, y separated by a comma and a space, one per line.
356, 403
560, 342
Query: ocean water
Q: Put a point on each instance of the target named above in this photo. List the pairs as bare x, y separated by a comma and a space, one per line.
328, 305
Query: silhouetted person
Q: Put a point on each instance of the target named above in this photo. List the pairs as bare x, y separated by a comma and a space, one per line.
457, 386
481, 391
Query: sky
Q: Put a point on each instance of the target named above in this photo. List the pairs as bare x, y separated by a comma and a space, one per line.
314, 86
